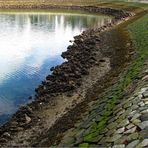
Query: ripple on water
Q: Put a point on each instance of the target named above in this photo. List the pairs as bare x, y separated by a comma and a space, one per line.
31, 43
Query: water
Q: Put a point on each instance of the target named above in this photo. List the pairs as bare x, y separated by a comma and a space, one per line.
31, 43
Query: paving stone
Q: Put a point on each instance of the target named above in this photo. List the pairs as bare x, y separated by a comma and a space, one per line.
87, 131
144, 143
145, 99
97, 138
113, 138
120, 130
117, 109
144, 111
119, 146
126, 105
69, 141
110, 132
144, 117
143, 124
140, 96
144, 133
124, 123
121, 140
79, 133
134, 107
102, 141
144, 89
145, 94
123, 116
112, 125
133, 144
132, 113
133, 136
143, 108
136, 121
121, 112
111, 120
141, 104
130, 126
119, 121
132, 130
104, 131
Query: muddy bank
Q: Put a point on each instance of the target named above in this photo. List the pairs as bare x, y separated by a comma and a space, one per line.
89, 59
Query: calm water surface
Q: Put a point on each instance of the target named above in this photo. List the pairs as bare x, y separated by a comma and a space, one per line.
31, 43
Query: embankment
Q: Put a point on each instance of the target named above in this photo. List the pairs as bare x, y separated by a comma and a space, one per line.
89, 70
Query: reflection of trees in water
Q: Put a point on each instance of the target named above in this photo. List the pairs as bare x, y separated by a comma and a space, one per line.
45, 21
83, 21
51, 21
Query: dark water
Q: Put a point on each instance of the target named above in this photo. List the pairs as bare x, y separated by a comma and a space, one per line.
31, 43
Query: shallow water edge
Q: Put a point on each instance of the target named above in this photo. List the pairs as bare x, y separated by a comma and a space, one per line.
26, 117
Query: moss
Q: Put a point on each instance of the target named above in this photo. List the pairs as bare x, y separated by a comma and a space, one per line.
84, 145
89, 137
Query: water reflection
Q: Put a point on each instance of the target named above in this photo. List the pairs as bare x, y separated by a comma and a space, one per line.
29, 45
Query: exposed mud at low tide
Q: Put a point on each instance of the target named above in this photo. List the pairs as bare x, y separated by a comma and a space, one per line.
95, 59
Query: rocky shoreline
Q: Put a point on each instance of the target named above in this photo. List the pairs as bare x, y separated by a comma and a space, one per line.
68, 77
126, 126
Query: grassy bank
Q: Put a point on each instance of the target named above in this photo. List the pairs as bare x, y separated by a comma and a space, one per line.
139, 35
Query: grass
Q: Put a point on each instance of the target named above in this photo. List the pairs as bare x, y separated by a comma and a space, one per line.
139, 35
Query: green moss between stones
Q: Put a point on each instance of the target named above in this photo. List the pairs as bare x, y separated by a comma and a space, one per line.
84, 145
139, 35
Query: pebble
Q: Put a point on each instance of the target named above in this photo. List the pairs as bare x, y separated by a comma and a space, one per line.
28, 119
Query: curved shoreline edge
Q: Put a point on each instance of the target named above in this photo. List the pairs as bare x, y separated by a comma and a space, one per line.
66, 77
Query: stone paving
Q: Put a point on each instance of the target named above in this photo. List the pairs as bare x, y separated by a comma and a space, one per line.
127, 125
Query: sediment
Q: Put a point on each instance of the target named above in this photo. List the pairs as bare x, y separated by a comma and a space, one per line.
86, 63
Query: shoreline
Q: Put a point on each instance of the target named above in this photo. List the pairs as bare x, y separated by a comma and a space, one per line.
25, 117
